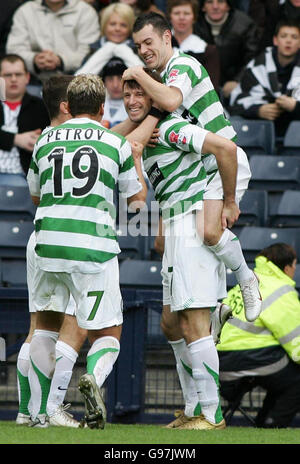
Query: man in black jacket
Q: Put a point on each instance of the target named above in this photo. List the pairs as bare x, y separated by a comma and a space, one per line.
235, 35
22, 117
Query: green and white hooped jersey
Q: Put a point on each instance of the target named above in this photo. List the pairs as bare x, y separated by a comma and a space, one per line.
175, 167
74, 170
201, 104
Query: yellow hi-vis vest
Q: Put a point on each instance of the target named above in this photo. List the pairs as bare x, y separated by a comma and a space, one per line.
278, 325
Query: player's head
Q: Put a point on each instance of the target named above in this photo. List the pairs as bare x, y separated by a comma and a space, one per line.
112, 77
153, 39
136, 101
86, 95
283, 256
55, 95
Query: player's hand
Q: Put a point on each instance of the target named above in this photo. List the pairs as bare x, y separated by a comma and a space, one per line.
132, 73
230, 214
154, 138
137, 150
27, 140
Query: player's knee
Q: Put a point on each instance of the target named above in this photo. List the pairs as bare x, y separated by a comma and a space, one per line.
211, 236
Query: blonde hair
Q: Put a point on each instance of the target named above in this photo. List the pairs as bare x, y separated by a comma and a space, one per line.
125, 11
85, 94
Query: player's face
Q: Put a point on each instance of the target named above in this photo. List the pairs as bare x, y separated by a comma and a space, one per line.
114, 86
182, 19
137, 103
216, 9
154, 49
116, 29
15, 79
287, 41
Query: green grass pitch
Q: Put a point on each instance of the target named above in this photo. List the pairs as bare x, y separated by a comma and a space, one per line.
119, 434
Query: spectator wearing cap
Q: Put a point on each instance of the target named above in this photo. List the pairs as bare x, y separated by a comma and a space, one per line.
114, 111
116, 25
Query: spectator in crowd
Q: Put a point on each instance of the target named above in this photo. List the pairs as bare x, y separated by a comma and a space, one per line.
98, 4
22, 117
116, 27
7, 10
53, 35
266, 350
182, 15
114, 110
145, 6
270, 85
235, 35
265, 13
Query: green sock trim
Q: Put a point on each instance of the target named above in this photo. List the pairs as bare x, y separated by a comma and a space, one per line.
197, 410
218, 414
24, 393
187, 368
45, 384
93, 358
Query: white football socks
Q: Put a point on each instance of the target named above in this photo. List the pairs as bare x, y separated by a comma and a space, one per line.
229, 251
101, 358
187, 383
205, 365
22, 378
42, 365
66, 357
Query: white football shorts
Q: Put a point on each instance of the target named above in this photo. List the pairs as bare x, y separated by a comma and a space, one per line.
31, 269
214, 189
97, 296
192, 276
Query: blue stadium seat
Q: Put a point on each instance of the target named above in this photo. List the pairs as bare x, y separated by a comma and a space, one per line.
131, 247
275, 173
254, 239
254, 209
140, 274
291, 140
16, 203
14, 273
13, 180
288, 210
14, 237
255, 136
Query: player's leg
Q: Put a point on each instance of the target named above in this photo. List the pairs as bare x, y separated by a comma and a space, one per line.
23, 362
70, 340
99, 310
50, 299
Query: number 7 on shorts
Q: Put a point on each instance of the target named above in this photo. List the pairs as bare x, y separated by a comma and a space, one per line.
98, 295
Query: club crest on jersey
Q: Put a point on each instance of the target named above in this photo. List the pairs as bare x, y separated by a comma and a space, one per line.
177, 138
173, 74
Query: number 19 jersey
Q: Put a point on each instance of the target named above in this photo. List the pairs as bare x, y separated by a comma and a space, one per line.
74, 170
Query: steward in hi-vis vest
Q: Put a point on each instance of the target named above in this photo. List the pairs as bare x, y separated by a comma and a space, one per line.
267, 349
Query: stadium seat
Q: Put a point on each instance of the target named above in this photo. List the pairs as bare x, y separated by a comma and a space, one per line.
254, 209
150, 252
254, 239
140, 274
291, 140
13, 180
131, 247
16, 203
14, 237
274, 173
288, 210
255, 136
14, 273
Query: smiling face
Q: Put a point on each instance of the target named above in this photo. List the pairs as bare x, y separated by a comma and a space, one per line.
288, 41
182, 19
154, 49
137, 103
117, 29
